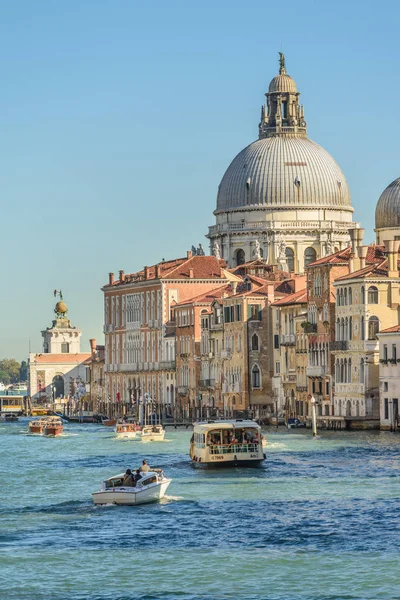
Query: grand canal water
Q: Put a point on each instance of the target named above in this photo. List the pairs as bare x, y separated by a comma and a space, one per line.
320, 521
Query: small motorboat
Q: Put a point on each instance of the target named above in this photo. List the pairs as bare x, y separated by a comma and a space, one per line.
36, 426
153, 433
129, 431
8, 418
150, 488
109, 422
52, 426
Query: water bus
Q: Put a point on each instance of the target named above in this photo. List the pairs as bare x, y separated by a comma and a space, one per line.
51, 426
227, 443
151, 487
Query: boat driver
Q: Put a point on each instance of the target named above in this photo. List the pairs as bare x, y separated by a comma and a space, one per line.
145, 467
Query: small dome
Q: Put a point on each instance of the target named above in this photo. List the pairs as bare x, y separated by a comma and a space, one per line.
387, 213
61, 308
282, 83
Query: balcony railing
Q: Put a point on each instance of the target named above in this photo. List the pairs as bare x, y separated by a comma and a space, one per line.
167, 364
207, 383
316, 371
288, 340
183, 390
233, 448
338, 345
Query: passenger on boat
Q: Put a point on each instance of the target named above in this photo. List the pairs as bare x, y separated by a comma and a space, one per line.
137, 477
145, 467
128, 480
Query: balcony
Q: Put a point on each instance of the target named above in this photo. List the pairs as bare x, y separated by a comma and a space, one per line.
216, 326
338, 345
225, 354
316, 371
183, 390
301, 388
167, 364
207, 383
289, 377
310, 328
288, 340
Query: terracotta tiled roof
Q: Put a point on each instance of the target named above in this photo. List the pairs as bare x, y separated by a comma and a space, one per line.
379, 269
62, 358
299, 297
340, 257
208, 297
394, 329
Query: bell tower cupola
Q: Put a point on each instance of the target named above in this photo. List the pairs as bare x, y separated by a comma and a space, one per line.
282, 115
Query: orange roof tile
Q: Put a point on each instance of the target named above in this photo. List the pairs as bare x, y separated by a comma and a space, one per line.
379, 269
62, 358
299, 297
342, 256
207, 297
394, 329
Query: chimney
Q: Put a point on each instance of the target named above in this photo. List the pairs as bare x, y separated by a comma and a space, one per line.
92, 346
362, 253
299, 282
110, 278
122, 276
352, 233
146, 272
191, 274
351, 263
393, 256
234, 287
189, 254
271, 293
157, 271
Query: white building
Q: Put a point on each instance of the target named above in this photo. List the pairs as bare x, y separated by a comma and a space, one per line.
283, 197
59, 372
389, 377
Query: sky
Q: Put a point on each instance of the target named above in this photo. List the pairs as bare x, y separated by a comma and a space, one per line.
119, 118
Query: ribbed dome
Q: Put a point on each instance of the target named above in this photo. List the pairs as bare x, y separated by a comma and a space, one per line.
282, 172
387, 213
282, 83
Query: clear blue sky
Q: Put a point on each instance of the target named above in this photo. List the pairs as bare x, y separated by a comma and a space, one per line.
119, 118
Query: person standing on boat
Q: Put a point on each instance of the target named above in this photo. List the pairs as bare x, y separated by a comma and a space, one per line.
128, 480
145, 467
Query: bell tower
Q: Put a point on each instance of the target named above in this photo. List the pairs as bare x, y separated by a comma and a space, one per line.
282, 115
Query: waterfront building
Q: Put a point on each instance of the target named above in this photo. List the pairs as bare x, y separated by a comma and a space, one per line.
389, 377
320, 326
95, 379
283, 198
290, 352
139, 333
59, 371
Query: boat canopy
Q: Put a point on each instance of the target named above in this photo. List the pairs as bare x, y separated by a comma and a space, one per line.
204, 427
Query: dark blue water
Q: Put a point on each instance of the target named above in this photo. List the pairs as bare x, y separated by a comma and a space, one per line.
319, 521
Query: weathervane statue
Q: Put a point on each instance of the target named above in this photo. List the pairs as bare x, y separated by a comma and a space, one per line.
59, 293
282, 66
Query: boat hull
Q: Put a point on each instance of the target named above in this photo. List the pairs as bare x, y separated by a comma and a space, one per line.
53, 430
110, 422
130, 497
36, 429
154, 437
127, 435
254, 463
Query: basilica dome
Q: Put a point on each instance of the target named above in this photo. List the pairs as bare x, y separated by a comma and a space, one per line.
281, 171
282, 83
387, 213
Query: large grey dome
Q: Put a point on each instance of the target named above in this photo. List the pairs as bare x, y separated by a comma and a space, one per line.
387, 213
281, 172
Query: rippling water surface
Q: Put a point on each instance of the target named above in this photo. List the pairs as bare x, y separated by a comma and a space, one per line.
321, 520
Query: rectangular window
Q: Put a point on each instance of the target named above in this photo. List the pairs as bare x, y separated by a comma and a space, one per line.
385, 386
65, 348
226, 314
327, 388
313, 387
238, 312
394, 352
386, 408
276, 342
385, 352
319, 387
277, 368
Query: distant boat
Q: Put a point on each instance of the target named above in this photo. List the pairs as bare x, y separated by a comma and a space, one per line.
109, 422
129, 431
153, 433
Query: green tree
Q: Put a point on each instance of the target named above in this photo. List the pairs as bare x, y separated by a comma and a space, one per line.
23, 372
11, 367
4, 377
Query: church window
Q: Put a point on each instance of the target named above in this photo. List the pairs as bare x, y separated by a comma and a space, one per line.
289, 259
240, 257
373, 328
254, 342
372, 295
310, 256
65, 348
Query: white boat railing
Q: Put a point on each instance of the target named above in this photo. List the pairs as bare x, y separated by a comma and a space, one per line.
233, 448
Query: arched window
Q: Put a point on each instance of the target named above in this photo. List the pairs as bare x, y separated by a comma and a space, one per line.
372, 295
254, 342
57, 387
345, 371
349, 372
289, 259
345, 297
350, 328
373, 328
310, 256
240, 257
350, 296
362, 371
255, 377
362, 295
362, 328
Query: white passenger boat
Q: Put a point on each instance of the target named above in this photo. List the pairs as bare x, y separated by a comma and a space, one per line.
227, 443
153, 433
128, 431
150, 488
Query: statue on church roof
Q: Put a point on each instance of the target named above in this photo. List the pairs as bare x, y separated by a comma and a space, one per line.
59, 292
282, 66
